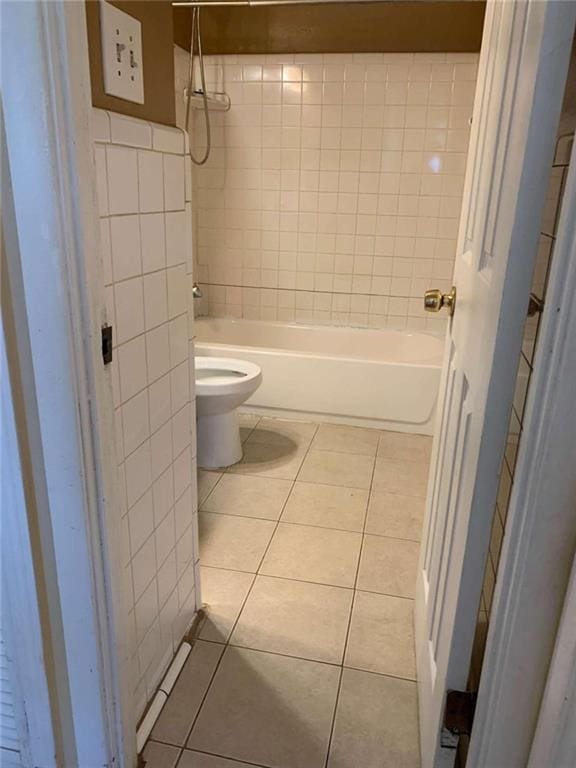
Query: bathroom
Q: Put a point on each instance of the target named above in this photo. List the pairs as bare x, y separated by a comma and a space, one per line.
280, 226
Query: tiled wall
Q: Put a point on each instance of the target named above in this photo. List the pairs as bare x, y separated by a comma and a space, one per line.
145, 235
333, 190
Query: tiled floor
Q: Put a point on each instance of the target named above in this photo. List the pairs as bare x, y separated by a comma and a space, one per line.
309, 550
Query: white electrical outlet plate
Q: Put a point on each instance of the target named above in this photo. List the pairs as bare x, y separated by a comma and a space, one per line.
121, 54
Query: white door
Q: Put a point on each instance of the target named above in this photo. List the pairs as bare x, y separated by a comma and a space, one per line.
522, 72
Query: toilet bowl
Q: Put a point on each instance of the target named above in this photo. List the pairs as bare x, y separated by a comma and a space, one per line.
222, 384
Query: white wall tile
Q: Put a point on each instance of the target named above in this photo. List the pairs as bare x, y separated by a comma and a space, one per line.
101, 179
129, 301
127, 130
174, 192
135, 421
155, 299
150, 181
122, 170
125, 245
153, 241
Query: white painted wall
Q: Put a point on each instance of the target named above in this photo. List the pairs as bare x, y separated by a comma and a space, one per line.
144, 205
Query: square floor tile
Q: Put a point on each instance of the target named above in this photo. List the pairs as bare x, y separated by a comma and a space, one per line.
388, 566
283, 433
223, 594
192, 759
345, 469
247, 422
270, 460
401, 446
328, 506
391, 514
295, 618
175, 720
409, 478
381, 637
160, 755
346, 439
262, 497
320, 555
231, 542
206, 482
376, 723
268, 709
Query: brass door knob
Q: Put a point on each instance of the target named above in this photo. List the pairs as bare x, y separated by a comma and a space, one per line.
435, 300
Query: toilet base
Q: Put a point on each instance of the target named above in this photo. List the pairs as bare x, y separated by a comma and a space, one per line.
219, 442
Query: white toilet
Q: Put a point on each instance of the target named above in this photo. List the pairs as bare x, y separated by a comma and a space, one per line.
222, 384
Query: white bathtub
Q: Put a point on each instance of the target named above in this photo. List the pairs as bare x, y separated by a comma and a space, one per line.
382, 378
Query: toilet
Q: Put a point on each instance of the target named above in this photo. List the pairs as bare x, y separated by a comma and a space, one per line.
222, 384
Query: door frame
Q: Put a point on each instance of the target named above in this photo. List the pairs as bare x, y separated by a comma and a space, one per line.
536, 556
63, 407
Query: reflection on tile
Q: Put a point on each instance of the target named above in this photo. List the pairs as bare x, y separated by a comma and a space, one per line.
346, 439
223, 594
268, 709
313, 554
192, 759
233, 542
404, 447
406, 477
261, 497
349, 470
160, 755
376, 723
328, 506
395, 515
388, 566
295, 618
206, 482
175, 720
281, 460
381, 635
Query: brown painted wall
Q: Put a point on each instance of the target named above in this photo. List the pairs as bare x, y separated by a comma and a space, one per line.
158, 52
345, 28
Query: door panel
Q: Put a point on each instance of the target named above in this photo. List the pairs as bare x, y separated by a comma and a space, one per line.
522, 71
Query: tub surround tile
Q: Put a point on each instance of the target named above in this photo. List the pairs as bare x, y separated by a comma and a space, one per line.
409, 478
388, 566
381, 637
331, 468
346, 440
326, 506
295, 618
395, 515
223, 595
248, 496
404, 447
268, 709
376, 723
312, 554
176, 718
231, 542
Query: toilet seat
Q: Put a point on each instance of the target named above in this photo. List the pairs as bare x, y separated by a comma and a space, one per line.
225, 376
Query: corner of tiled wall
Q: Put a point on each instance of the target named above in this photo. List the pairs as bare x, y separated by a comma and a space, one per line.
144, 200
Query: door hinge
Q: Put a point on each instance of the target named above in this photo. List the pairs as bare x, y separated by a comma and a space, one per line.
458, 716
107, 344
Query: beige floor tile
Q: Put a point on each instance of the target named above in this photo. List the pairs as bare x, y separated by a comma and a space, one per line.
283, 433
233, 542
381, 635
268, 709
388, 566
160, 755
345, 469
206, 482
175, 721
329, 506
376, 723
295, 618
313, 554
192, 759
404, 447
223, 593
248, 420
262, 497
269, 460
409, 478
391, 514
346, 439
